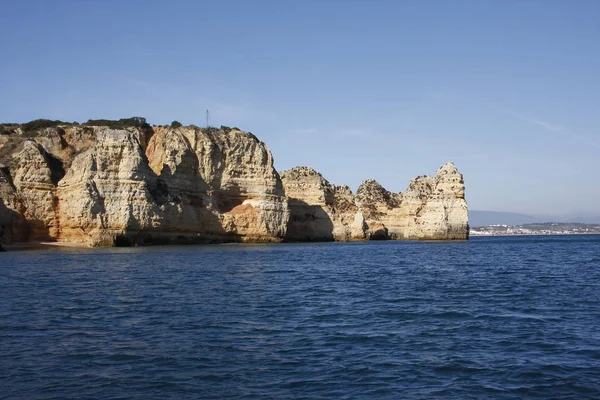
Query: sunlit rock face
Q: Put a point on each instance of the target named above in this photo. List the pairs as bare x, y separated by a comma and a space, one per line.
27, 188
228, 177
102, 186
432, 208
446, 213
108, 191
127, 185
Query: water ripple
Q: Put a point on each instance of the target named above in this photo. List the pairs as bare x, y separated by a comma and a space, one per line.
505, 318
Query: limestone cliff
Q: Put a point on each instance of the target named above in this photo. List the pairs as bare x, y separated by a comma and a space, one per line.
107, 192
103, 185
227, 179
125, 182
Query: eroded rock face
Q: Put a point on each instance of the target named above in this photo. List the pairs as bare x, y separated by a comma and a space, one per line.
431, 208
107, 191
226, 177
449, 200
101, 186
34, 175
13, 226
320, 211
310, 200
140, 185
189, 185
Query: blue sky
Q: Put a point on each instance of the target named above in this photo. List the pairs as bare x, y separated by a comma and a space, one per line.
507, 90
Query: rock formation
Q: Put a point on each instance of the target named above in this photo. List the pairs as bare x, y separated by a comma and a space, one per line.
139, 185
13, 226
320, 211
125, 182
432, 208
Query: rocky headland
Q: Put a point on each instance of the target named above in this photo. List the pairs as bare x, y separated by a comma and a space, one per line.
106, 183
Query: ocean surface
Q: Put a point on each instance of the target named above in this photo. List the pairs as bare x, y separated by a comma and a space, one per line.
491, 318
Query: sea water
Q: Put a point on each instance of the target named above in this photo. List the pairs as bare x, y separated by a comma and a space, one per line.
501, 317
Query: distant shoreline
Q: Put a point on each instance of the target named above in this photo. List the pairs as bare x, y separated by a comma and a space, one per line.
40, 245
535, 234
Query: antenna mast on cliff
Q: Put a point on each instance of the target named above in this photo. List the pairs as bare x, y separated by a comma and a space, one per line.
206, 119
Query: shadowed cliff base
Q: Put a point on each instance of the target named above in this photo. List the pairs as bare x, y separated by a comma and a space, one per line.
126, 183
380, 234
161, 239
13, 226
308, 223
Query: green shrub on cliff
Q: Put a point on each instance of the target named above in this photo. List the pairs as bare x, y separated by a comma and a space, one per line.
8, 128
176, 124
211, 130
38, 124
137, 122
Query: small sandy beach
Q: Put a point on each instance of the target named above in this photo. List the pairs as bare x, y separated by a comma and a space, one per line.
35, 245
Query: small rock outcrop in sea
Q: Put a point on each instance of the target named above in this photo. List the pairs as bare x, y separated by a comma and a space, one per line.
125, 182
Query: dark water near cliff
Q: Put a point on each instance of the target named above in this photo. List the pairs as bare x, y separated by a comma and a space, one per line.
515, 317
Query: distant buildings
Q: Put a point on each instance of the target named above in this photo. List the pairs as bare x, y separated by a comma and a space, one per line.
547, 228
